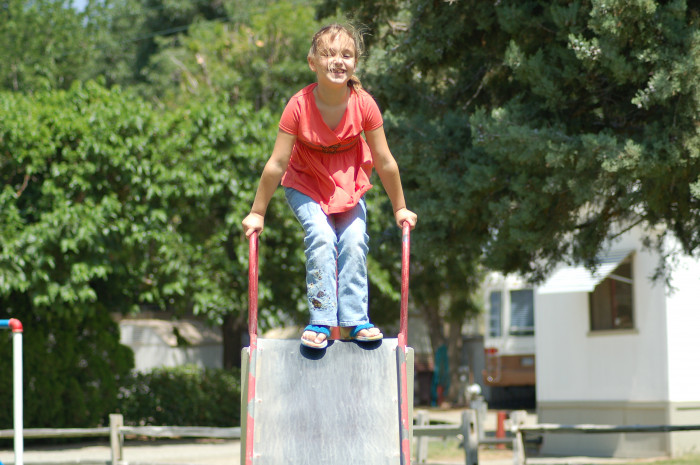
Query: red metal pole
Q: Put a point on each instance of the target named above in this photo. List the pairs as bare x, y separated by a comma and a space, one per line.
253, 287
501, 427
253, 335
405, 259
401, 351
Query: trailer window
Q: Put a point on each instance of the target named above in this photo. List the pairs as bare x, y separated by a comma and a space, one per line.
495, 312
610, 303
522, 313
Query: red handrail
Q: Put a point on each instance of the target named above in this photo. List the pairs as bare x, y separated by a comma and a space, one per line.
253, 287
405, 423
405, 259
252, 354
402, 340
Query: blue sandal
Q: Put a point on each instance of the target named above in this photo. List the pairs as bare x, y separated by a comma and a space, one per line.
319, 330
358, 328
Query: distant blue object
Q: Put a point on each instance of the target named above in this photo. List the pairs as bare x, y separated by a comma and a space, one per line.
441, 376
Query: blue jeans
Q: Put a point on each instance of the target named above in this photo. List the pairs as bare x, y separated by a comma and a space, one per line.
336, 249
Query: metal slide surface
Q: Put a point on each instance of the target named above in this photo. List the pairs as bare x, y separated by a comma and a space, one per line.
335, 406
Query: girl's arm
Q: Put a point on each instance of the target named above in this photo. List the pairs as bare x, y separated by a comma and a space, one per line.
270, 179
388, 171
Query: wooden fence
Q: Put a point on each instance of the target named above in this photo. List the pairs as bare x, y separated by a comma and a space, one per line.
116, 432
469, 430
519, 430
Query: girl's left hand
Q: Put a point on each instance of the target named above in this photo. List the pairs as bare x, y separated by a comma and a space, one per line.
404, 214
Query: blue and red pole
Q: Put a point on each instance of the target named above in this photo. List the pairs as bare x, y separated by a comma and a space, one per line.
15, 326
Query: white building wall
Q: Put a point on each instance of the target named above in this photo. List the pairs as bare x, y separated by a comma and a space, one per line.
683, 331
649, 375
155, 344
683, 303
577, 364
561, 322
148, 357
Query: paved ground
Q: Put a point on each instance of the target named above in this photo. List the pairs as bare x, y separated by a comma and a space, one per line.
135, 452
227, 452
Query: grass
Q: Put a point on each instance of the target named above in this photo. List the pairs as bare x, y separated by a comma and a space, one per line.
445, 449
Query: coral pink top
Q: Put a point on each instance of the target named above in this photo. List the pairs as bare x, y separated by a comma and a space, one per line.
332, 166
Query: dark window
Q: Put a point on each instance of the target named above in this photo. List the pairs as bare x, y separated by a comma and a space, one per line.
522, 313
495, 312
611, 304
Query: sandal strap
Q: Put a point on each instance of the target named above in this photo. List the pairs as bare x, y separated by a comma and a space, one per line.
359, 328
319, 329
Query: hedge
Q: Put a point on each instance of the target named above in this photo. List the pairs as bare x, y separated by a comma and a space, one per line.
181, 396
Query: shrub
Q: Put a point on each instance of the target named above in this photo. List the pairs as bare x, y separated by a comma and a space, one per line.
73, 367
182, 396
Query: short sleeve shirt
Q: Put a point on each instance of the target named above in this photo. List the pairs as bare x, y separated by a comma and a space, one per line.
332, 166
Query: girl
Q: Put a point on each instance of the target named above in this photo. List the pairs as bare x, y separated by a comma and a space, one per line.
324, 165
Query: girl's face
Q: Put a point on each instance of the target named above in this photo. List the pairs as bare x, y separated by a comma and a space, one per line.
335, 60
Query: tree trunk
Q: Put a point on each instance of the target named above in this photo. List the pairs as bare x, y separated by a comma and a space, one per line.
435, 326
436, 329
454, 351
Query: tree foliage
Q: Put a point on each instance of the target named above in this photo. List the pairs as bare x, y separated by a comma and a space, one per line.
533, 132
527, 132
111, 205
41, 45
260, 58
530, 131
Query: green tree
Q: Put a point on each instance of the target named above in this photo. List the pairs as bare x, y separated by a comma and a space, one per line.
110, 205
259, 57
549, 122
42, 44
116, 30
163, 17
49, 44
532, 132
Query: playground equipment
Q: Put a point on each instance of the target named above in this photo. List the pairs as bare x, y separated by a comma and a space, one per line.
16, 326
349, 403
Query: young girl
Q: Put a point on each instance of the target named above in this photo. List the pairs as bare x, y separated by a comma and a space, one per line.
324, 165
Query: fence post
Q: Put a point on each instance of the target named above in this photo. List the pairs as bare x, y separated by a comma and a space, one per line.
479, 404
422, 419
517, 419
471, 439
116, 440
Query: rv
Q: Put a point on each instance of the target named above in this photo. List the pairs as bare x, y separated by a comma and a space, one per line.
509, 339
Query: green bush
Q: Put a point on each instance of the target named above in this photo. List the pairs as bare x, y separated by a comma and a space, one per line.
73, 368
182, 396
109, 205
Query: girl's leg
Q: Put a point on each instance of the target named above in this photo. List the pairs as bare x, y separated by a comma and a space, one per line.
353, 288
321, 256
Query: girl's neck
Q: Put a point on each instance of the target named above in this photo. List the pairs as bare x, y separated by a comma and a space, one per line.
332, 96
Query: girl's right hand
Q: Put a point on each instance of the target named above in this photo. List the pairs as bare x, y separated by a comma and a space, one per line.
252, 223
404, 214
